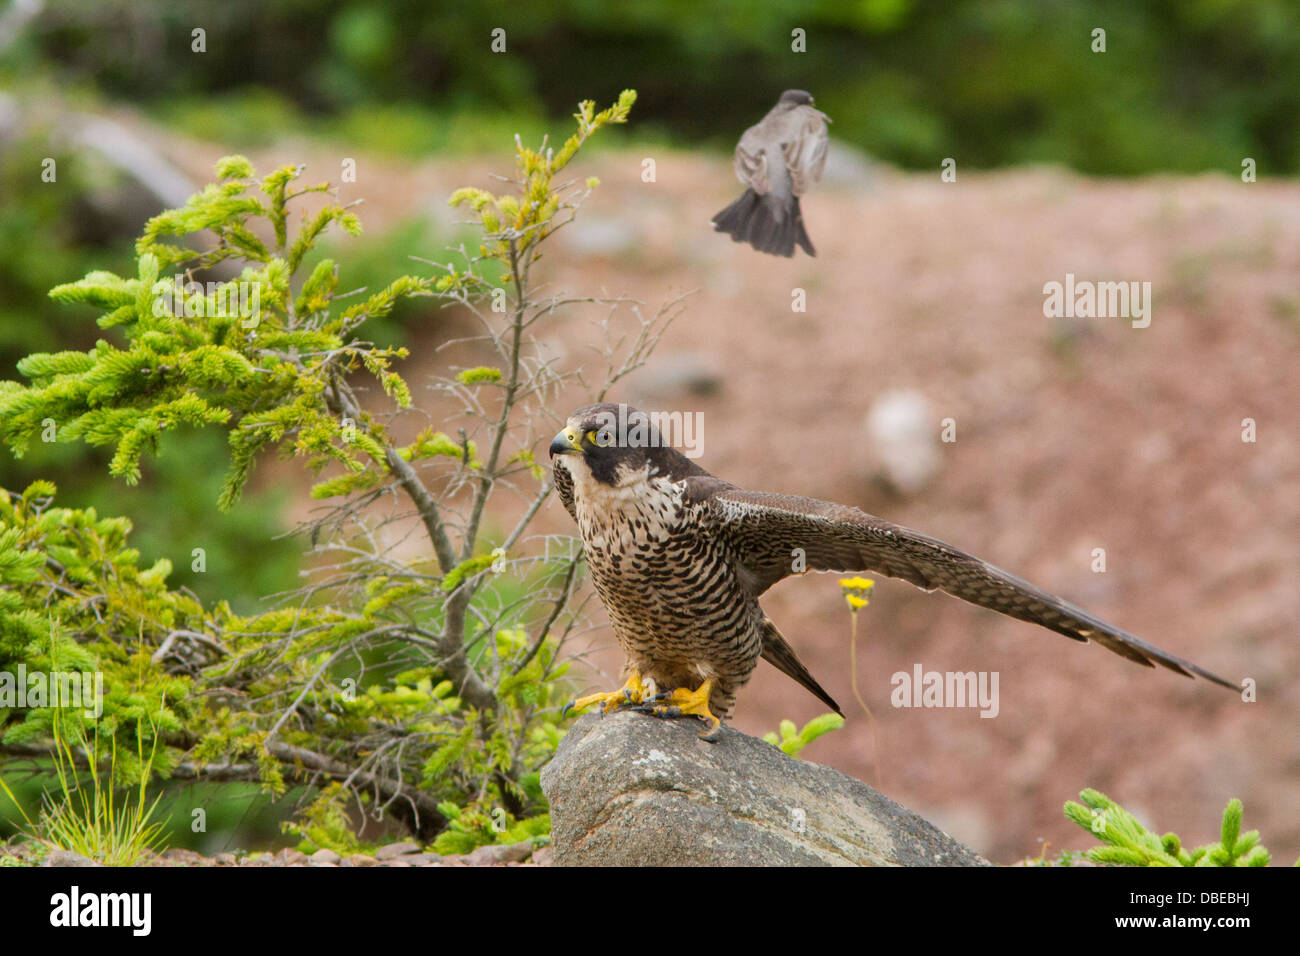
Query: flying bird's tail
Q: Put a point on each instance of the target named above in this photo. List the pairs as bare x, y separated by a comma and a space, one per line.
800, 233
766, 222
782, 656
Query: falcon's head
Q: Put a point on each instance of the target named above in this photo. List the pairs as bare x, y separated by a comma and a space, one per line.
792, 98
615, 444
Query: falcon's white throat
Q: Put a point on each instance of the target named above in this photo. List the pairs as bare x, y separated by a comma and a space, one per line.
630, 485
639, 506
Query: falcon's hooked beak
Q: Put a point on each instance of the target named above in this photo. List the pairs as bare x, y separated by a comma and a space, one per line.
567, 442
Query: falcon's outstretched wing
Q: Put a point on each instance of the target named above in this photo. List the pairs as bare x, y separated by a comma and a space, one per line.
765, 529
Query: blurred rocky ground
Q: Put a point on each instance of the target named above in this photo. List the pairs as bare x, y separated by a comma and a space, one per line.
926, 301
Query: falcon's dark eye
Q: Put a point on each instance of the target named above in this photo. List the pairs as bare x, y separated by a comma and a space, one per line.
601, 439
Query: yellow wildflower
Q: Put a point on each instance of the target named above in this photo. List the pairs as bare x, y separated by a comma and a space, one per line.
856, 591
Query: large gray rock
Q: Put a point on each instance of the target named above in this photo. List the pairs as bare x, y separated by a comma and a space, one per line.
630, 789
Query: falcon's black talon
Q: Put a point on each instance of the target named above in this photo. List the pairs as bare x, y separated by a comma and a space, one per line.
712, 735
657, 710
612, 701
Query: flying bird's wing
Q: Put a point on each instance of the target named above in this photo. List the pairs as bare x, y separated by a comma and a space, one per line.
765, 530
751, 161
805, 151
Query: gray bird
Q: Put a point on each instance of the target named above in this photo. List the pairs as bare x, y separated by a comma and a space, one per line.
777, 159
680, 558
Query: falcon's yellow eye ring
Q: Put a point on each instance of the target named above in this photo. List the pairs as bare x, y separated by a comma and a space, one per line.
601, 439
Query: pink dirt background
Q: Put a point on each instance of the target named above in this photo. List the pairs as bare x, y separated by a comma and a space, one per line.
1068, 439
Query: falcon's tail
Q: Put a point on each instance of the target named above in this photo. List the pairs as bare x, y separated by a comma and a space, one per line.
765, 223
782, 656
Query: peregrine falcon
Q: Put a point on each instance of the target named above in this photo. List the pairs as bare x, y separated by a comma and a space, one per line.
777, 159
680, 558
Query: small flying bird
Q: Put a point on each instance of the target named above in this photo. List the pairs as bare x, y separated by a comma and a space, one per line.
777, 159
680, 558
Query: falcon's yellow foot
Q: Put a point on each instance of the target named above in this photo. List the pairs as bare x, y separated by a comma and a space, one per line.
631, 693
687, 703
